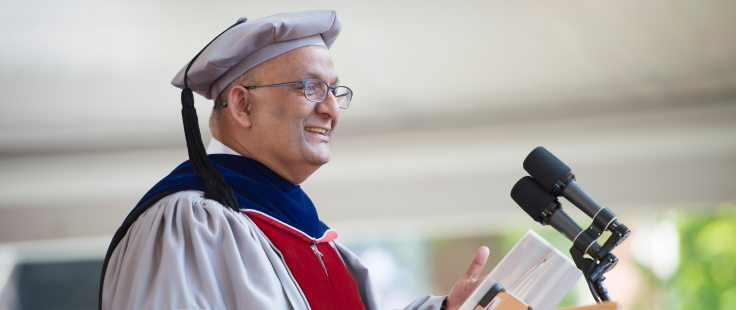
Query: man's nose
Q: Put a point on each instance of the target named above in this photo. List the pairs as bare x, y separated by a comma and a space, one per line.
329, 106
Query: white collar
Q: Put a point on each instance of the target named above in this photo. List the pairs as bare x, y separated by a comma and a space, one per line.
216, 147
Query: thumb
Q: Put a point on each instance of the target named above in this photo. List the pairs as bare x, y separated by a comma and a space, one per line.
476, 265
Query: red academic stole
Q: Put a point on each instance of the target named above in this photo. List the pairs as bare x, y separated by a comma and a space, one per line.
326, 288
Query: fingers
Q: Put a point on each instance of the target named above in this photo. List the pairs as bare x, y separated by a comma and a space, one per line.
476, 265
477, 283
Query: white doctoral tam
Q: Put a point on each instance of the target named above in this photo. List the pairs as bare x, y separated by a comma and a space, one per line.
253, 42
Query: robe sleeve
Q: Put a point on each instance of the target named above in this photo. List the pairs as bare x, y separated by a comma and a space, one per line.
369, 291
428, 302
186, 252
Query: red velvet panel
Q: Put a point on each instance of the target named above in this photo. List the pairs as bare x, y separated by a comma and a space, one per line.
336, 291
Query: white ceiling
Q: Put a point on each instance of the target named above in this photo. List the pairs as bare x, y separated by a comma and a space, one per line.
83, 69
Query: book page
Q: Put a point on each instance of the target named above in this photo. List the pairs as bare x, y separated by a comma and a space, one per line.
534, 271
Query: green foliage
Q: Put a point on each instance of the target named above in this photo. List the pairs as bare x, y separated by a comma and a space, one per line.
706, 276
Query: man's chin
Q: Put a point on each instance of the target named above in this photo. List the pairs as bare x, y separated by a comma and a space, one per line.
319, 159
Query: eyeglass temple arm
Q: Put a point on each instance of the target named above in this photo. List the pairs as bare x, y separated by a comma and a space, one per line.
272, 85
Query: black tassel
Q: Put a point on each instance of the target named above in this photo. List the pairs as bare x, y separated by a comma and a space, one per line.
215, 187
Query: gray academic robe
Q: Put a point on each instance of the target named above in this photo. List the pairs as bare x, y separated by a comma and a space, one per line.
187, 252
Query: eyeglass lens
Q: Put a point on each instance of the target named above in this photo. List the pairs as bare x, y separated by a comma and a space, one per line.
317, 91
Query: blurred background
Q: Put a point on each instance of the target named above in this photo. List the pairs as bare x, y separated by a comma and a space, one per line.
637, 97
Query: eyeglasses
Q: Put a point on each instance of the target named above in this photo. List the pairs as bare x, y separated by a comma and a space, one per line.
316, 91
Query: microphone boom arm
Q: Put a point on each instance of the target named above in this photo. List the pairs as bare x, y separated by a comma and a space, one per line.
602, 262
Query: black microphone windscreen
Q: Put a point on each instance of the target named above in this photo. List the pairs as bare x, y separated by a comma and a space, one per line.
545, 167
531, 197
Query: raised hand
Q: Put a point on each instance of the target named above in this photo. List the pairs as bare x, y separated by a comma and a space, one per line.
469, 281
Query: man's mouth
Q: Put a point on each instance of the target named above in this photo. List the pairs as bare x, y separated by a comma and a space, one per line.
316, 129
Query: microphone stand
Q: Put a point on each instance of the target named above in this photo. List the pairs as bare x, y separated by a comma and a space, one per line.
604, 261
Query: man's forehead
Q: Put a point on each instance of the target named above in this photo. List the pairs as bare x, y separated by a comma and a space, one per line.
308, 62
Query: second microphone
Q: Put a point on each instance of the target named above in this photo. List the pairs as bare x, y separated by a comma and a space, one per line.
544, 208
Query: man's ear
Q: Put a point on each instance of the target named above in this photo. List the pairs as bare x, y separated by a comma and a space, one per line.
239, 105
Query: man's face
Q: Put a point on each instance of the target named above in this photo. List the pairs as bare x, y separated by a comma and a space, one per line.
290, 129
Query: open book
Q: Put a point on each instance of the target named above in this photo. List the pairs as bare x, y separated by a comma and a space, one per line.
534, 271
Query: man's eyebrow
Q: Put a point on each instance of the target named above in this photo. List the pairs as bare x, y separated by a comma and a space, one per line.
310, 75
316, 76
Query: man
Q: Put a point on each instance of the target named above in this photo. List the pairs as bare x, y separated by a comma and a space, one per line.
233, 230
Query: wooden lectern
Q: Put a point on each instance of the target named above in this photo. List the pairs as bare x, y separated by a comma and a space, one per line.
503, 301
498, 298
606, 305
506, 301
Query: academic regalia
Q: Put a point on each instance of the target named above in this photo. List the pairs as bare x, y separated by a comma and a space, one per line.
223, 231
187, 252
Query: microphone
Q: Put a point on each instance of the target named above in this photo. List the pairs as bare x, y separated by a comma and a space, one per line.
544, 208
558, 179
